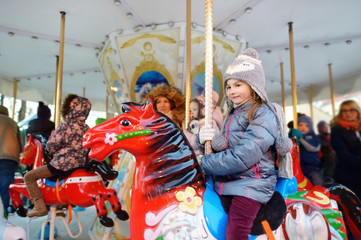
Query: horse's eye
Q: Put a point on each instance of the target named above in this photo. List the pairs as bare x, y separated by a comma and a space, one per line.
125, 123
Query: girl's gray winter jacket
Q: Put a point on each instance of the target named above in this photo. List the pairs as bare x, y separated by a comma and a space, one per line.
246, 168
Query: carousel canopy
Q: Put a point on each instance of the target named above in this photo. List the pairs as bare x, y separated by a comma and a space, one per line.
115, 42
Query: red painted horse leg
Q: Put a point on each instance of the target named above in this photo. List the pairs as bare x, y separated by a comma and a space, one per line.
15, 198
111, 196
100, 205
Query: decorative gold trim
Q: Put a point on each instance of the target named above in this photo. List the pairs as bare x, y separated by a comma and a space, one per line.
161, 38
224, 44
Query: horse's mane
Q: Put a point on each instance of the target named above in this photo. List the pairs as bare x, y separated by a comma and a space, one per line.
173, 162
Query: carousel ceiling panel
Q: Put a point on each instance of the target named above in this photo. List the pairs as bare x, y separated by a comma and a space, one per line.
262, 24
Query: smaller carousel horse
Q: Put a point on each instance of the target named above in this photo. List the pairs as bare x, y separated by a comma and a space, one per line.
171, 199
83, 188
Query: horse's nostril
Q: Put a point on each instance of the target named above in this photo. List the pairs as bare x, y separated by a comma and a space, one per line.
86, 137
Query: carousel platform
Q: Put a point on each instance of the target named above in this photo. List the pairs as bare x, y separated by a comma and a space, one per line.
87, 218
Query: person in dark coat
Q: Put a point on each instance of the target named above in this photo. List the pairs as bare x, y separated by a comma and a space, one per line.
346, 141
42, 124
328, 156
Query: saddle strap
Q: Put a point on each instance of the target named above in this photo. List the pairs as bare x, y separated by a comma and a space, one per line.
268, 230
57, 192
59, 199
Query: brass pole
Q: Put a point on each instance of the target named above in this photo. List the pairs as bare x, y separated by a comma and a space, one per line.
56, 88
59, 77
84, 92
15, 90
208, 68
310, 98
331, 89
188, 65
293, 76
283, 89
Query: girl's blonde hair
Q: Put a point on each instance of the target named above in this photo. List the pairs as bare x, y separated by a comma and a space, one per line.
257, 102
351, 103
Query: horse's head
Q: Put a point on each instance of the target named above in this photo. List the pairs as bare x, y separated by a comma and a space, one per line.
30, 150
132, 131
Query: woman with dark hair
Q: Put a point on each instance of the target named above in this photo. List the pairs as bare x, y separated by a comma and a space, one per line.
346, 141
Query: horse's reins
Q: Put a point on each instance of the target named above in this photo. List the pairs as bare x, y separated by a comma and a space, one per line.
133, 134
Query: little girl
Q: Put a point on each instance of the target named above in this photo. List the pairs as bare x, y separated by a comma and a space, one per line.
244, 170
66, 145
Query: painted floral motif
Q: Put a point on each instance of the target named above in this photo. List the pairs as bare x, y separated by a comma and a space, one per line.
110, 138
189, 201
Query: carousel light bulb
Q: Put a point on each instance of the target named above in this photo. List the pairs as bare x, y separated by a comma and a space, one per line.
232, 21
348, 42
130, 15
114, 89
11, 34
171, 24
248, 10
116, 2
153, 26
194, 25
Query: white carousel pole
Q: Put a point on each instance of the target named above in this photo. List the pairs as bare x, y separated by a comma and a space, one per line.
188, 65
59, 77
208, 68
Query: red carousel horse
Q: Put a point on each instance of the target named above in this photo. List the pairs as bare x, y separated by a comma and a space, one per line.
82, 188
170, 198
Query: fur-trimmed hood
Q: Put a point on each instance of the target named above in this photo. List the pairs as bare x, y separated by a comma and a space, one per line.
174, 95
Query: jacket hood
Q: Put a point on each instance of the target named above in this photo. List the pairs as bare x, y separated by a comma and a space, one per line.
308, 120
79, 109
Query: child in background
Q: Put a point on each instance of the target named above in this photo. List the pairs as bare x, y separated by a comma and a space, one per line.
66, 145
328, 157
196, 121
309, 148
244, 170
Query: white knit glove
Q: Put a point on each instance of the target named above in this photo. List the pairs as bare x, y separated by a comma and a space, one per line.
206, 133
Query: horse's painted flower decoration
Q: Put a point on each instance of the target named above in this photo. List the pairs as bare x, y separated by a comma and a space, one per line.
110, 138
189, 201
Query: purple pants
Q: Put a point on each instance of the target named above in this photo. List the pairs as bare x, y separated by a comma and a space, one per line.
242, 213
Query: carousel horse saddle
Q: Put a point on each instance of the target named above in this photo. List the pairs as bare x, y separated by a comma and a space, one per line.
215, 215
50, 183
215, 209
